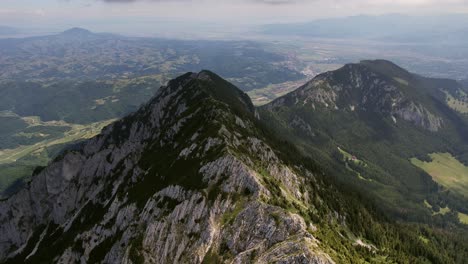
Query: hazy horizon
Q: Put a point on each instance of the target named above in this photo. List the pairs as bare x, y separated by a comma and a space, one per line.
153, 17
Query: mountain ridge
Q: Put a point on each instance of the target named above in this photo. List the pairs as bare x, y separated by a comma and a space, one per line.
193, 177
8, 31
363, 85
390, 27
77, 31
383, 116
132, 139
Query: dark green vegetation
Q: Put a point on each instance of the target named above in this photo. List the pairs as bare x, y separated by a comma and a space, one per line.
14, 133
363, 125
13, 175
357, 151
80, 54
10, 126
81, 77
39, 142
464, 83
350, 227
38, 115
366, 220
77, 102
447, 171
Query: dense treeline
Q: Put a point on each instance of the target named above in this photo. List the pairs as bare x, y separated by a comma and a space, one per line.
385, 146
350, 212
76, 102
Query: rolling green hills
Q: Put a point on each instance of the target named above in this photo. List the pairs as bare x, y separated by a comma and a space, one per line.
79, 102
76, 81
447, 171
39, 119
42, 142
83, 55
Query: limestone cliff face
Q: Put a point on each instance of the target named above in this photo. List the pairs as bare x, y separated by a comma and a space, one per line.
356, 87
185, 179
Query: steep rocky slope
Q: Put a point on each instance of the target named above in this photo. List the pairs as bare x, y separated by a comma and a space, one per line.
184, 179
194, 177
366, 121
360, 87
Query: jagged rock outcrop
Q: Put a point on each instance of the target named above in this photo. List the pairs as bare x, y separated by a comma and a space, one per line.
359, 87
185, 179
368, 122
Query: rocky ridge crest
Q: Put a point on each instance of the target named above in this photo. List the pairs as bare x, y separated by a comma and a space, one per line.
359, 87
184, 179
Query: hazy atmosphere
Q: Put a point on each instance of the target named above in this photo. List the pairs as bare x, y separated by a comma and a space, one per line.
144, 16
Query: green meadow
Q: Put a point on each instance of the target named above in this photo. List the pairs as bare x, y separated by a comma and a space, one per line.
447, 171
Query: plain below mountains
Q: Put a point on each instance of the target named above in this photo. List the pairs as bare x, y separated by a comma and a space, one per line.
81, 54
397, 28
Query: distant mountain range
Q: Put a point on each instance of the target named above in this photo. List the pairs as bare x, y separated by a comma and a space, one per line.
76, 31
397, 28
199, 175
4, 30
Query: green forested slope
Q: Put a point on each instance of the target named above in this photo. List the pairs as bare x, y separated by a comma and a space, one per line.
384, 116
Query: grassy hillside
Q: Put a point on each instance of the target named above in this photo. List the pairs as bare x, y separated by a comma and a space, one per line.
447, 171
18, 164
334, 134
40, 118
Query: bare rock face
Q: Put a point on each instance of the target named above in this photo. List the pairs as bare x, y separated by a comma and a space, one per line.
357, 87
183, 180
419, 115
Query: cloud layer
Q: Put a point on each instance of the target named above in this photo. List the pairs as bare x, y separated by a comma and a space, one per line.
237, 12
318, 2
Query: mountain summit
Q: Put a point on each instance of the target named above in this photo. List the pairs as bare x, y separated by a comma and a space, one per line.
76, 31
186, 178
194, 177
380, 87
369, 122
